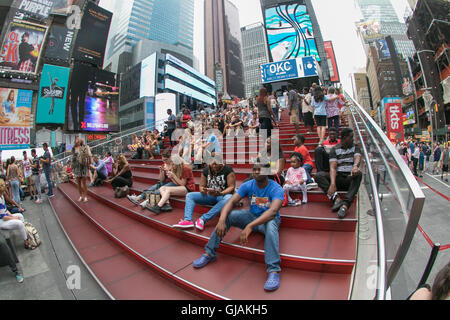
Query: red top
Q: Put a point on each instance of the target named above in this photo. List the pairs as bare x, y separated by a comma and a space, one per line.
185, 117
306, 156
331, 144
189, 176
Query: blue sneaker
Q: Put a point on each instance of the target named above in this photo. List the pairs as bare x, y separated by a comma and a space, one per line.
203, 261
273, 282
19, 277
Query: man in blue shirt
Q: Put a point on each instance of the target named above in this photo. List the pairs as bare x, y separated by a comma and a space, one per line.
46, 161
266, 198
100, 172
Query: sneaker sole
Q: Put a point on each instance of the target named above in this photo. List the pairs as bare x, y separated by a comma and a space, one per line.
183, 227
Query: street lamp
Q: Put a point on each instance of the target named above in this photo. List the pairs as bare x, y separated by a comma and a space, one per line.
428, 98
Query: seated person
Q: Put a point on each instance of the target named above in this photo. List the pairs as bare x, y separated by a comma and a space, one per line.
217, 185
68, 169
134, 143
296, 178
253, 126
323, 151
275, 158
122, 175
109, 161
308, 164
163, 181
183, 178
344, 175
100, 172
10, 221
266, 198
6, 255
139, 149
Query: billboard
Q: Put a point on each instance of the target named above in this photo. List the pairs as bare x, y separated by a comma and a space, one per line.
14, 138
93, 35
163, 102
394, 121
15, 107
59, 44
51, 107
39, 9
289, 32
148, 76
289, 69
21, 48
93, 100
369, 30
383, 49
332, 64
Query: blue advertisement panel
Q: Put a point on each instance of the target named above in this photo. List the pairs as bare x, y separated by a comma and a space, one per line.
383, 50
289, 69
289, 32
51, 107
149, 113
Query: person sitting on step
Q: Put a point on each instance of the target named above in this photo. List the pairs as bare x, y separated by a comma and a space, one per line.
344, 175
183, 178
296, 178
217, 185
266, 197
100, 172
308, 164
122, 175
323, 151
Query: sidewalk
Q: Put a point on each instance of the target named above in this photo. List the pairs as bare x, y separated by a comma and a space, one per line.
45, 269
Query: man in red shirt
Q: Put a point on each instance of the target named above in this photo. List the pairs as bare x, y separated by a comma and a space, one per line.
308, 164
323, 151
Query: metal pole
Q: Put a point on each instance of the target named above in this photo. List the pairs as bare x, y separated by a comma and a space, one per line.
433, 256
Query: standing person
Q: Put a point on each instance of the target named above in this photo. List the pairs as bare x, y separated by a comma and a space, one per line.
27, 174
81, 161
14, 177
445, 163
294, 107
171, 126
415, 159
318, 101
296, 178
46, 161
265, 113
275, 105
266, 198
333, 111
437, 153
308, 164
217, 185
421, 162
307, 109
35, 169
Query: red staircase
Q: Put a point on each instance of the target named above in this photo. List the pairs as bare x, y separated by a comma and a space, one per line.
135, 254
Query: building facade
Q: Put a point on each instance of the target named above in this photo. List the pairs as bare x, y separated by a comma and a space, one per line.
255, 53
163, 21
223, 47
361, 90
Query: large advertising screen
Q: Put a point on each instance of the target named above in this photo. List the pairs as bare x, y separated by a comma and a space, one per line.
59, 44
148, 76
52, 99
369, 30
93, 35
289, 32
93, 100
41, 9
22, 46
383, 49
332, 63
15, 107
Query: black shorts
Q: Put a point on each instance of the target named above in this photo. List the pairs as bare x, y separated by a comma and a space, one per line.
445, 168
321, 121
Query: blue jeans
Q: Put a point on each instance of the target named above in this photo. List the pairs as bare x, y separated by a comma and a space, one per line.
155, 188
334, 122
308, 168
15, 186
49, 182
276, 110
194, 198
240, 219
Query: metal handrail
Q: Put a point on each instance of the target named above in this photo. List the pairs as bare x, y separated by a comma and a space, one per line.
414, 188
381, 245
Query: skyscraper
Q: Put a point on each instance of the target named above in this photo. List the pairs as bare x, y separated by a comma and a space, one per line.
382, 14
255, 53
223, 47
165, 21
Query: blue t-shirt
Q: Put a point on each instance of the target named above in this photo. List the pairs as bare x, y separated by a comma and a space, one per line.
215, 145
101, 167
261, 199
320, 107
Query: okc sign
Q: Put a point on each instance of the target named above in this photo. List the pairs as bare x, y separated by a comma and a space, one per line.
289, 69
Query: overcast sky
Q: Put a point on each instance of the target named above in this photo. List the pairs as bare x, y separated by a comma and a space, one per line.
337, 23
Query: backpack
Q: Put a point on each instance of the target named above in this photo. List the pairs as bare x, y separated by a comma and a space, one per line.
32, 236
84, 156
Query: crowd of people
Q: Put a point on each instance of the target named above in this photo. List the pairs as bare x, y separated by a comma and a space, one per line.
421, 157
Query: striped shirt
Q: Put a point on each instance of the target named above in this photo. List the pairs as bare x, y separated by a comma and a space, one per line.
345, 158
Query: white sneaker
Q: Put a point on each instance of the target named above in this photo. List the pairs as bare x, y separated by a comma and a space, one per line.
144, 204
133, 199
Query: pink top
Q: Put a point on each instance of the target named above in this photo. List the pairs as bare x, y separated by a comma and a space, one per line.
295, 175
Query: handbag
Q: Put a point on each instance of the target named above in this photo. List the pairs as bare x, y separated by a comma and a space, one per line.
153, 198
121, 192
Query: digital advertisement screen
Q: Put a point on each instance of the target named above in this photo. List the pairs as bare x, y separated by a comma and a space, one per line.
383, 49
41, 9
93, 100
148, 76
332, 63
22, 46
369, 30
52, 99
15, 107
93, 35
178, 87
59, 43
289, 32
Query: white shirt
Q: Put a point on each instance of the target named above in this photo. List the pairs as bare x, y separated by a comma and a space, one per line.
26, 168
